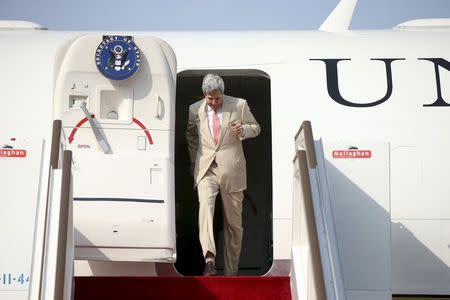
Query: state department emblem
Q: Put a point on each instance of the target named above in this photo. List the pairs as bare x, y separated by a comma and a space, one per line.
117, 57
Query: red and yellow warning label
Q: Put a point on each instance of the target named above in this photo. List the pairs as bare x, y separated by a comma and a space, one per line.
352, 154
17, 153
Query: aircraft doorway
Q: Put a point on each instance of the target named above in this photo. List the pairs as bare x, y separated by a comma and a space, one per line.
256, 254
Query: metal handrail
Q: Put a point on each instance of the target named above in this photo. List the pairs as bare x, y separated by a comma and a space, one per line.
66, 197
302, 161
64, 163
307, 143
54, 164
56, 142
309, 164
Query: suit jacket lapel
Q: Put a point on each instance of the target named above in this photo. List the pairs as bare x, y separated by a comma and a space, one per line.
226, 113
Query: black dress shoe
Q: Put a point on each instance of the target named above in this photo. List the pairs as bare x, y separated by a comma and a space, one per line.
210, 269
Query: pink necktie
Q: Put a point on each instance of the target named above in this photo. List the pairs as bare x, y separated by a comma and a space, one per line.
216, 127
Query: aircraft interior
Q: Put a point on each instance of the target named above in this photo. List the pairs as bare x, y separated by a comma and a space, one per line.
256, 255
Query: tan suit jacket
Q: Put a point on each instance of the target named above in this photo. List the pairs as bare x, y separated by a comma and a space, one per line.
228, 152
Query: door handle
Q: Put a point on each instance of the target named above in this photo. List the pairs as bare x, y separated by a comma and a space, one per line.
157, 106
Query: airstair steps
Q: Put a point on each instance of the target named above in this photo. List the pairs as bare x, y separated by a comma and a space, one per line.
204, 288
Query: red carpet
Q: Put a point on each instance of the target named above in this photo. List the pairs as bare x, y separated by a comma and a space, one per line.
198, 288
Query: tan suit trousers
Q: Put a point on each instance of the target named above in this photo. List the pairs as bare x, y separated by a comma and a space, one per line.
208, 188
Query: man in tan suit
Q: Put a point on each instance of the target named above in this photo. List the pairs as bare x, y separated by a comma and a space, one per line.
216, 128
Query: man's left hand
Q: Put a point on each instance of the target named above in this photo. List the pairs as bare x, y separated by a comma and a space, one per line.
238, 129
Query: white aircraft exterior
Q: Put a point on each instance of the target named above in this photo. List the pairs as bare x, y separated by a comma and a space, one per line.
383, 94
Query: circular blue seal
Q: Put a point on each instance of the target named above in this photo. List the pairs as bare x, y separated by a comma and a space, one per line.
118, 57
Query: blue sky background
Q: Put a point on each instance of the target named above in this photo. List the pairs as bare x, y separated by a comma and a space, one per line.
213, 14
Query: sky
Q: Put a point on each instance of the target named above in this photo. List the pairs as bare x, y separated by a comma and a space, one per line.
213, 14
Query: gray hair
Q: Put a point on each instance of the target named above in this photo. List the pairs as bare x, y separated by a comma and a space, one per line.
211, 83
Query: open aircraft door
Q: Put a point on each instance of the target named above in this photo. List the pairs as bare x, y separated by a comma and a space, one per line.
115, 96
